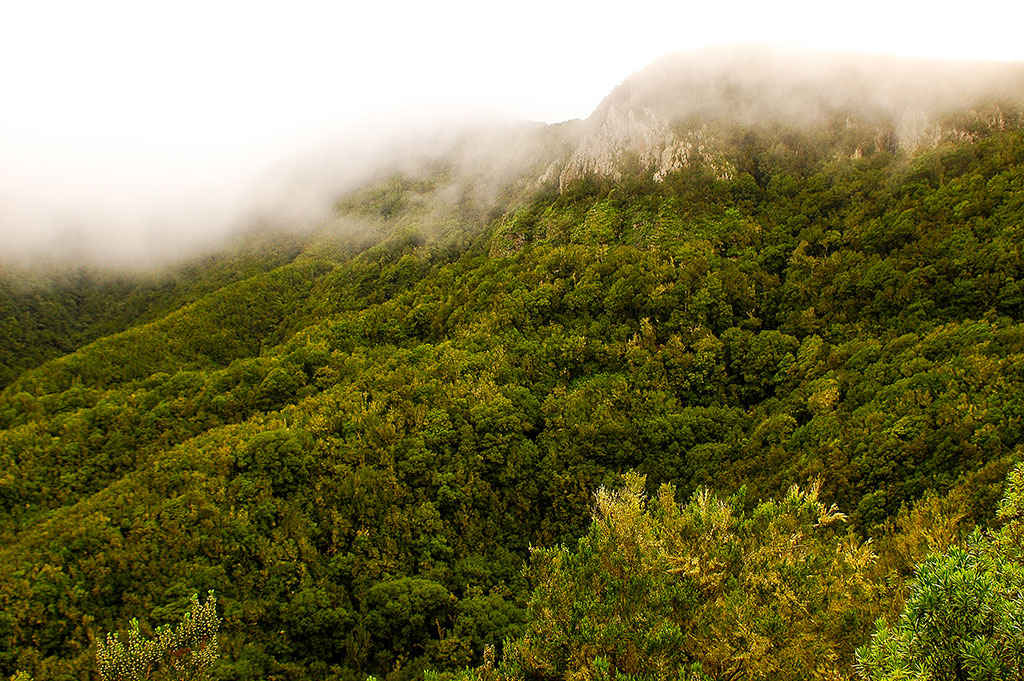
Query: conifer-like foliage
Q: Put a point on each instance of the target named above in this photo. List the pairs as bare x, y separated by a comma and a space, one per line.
964, 616
179, 652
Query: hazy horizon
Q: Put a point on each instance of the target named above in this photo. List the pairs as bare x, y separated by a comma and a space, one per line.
137, 134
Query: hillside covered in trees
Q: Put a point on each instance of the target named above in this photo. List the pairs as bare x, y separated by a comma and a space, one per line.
687, 393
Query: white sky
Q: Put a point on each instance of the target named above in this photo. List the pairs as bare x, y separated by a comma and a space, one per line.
135, 100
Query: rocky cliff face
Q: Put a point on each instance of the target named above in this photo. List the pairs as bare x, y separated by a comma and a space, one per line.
691, 109
918, 130
625, 134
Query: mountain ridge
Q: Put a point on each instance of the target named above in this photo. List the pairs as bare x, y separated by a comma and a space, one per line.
380, 444
663, 113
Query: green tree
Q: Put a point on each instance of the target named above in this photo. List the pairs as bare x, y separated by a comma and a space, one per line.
964, 617
658, 589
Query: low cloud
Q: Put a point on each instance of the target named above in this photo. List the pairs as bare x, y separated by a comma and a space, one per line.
135, 211
132, 204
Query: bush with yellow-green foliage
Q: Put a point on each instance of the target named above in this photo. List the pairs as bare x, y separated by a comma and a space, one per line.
698, 591
180, 653
662, 590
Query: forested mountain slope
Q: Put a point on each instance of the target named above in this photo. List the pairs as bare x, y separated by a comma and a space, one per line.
357, 441
51, 311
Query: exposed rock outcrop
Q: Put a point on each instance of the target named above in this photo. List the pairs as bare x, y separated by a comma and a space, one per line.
685, 109
624, 135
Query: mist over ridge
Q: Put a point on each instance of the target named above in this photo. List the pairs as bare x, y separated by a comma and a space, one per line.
679, 110
372, 388
703, 106
799, 86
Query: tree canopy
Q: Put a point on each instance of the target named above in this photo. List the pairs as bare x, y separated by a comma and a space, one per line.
381, 450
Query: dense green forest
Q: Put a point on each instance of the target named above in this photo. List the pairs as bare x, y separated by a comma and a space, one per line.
698, 426
51, 311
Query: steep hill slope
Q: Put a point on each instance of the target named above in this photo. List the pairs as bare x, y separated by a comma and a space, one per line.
358, 444
49, 312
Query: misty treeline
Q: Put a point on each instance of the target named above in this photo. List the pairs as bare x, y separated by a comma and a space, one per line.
544, 442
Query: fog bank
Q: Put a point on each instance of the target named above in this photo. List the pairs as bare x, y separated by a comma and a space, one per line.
145, 208
127, 202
